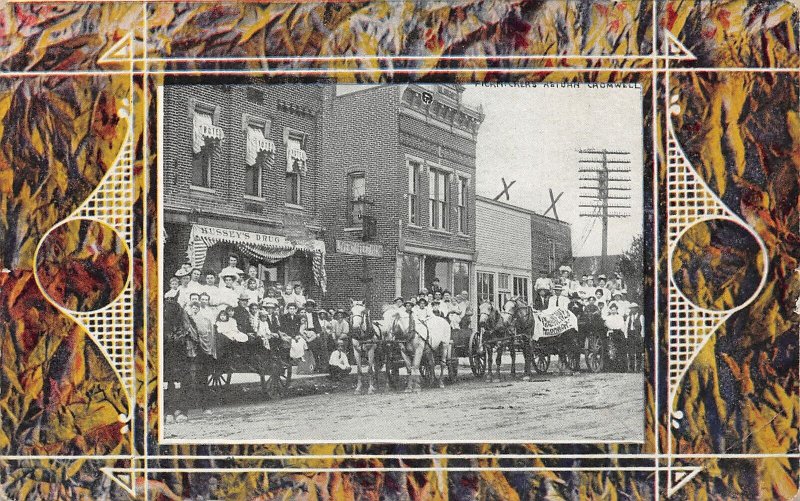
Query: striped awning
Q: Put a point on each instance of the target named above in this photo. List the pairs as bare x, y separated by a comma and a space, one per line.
203, 127
260, 246
256, 143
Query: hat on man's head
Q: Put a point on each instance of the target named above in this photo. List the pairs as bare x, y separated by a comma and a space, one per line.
398, 298
565, 268
270, 302
341, 312
182, 272
422, 300
310, 302
601, 277
409, 301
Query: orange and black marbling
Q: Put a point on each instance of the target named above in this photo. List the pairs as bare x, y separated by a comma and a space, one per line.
60, 132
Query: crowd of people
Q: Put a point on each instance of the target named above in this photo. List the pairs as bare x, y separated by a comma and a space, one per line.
602, 302
235, 307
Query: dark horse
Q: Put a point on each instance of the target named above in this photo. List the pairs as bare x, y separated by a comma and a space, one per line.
497, 331
181, 354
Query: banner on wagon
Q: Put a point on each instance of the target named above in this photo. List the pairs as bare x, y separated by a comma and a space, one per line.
554, 322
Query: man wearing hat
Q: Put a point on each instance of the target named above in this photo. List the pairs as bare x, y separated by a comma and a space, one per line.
634, 331
622, 305
575, 304
241, 314
568, 285
313, 334
558, 299
341, 329
541, 295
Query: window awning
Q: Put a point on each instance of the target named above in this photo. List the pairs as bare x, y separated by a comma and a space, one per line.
203, 127
266, 248
296, 160
256, 143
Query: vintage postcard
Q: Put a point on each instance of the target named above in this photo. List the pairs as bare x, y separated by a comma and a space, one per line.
399, 250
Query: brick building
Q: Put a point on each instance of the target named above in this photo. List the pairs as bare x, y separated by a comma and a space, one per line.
240, 175
515, 247
402, 156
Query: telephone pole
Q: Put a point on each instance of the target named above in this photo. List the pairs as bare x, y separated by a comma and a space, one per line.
602, 176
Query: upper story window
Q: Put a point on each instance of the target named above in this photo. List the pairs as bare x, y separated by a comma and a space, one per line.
462, 205
296, 165
205, 138
358, 190
260, 151
414, 169
439, 206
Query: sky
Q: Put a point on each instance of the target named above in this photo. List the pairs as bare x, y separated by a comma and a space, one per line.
532, 134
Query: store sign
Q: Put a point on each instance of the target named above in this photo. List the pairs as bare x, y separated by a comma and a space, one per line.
359, 248
246, 237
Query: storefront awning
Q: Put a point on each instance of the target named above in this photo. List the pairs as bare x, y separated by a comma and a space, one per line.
256, 143
203, 128
266, 248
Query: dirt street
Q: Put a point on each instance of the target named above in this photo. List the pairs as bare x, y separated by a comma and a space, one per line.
551, 407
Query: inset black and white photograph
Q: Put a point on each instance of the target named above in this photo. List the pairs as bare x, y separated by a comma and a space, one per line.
401, 263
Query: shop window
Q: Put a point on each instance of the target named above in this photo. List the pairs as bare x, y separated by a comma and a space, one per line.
413, 192
439, 199
521, 288
460, 277
356, 200
410, 269
485, 287
503, 289
462, 205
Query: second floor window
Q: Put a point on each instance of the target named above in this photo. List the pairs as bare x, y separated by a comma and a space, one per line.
358, 191
293, 188
462, 205
439, 208
205, 137
413, 192
296, 168
258, 149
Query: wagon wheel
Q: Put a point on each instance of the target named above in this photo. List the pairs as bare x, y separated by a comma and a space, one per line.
218, 379
541, 360
426, 370
594, 353
477, 361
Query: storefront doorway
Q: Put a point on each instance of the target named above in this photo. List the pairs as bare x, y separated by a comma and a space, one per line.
441, 268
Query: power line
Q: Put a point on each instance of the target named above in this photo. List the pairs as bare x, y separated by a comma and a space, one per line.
600, 183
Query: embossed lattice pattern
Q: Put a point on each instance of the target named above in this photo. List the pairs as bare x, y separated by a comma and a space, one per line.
112, 326
688, 201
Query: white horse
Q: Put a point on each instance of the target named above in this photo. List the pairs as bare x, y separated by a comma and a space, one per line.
365, 341
433, 332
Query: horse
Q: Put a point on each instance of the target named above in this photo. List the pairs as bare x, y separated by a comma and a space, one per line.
433, 333
493, 327
179, 332
365, 341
